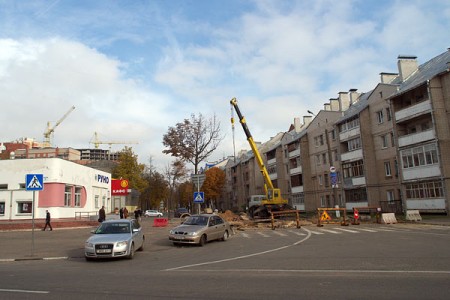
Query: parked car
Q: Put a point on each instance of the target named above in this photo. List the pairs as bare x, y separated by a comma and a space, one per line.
153, 213
200, 229
179, 212
115, 238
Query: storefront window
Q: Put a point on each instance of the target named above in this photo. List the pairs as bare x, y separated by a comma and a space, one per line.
2, 208
24, 207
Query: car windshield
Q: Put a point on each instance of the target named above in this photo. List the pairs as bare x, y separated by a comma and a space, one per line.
113, 228
196, 220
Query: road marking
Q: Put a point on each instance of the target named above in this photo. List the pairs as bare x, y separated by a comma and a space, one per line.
244, 256
346, 230
327, 271
296, 232
330, 231
368, 230
279, 233
24, 291
263, 234
316, 232
245, 235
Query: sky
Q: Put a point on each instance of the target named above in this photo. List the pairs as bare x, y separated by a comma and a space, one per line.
132, 69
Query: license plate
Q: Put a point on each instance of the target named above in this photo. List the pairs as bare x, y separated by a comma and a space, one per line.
104, 251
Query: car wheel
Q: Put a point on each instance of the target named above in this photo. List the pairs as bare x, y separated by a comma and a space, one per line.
131, 254
202, 241
88, 258
176, 244
225, 236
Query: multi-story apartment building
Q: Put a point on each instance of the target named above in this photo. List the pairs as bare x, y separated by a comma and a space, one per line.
368, 150
421, 107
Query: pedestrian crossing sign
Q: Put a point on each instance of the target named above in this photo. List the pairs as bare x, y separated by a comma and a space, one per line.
199, 197
34, 182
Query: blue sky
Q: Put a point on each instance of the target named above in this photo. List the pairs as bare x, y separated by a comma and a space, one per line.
134, 68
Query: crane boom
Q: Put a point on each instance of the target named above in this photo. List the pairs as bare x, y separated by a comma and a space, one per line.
96, 141
48, 132
273, 195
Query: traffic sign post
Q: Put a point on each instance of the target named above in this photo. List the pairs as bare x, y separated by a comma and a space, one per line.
198, 180
33, 182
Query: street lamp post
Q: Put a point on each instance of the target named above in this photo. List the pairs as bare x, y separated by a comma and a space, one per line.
333, 175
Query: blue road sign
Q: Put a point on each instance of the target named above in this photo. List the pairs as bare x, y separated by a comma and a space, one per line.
199, 197
34, 182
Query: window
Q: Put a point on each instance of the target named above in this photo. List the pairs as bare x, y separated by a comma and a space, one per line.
392, 139
320, 180
333, 134
384, 141
324, 158
24, 207
421, 190
96, 201
322, 201
2, 208
354, 144
104, 200
419, 156
298, 198
353, 169
78, 196
390, 196
387, 168
3, 186
67, 195
380, 117
321, 140
388, 114
356, 195
317, 160
325, 179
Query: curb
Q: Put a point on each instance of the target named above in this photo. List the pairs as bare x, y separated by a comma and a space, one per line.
33, 258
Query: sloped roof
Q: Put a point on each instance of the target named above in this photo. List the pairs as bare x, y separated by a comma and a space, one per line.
425, 72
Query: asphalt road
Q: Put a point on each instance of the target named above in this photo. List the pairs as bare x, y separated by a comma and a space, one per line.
356, 262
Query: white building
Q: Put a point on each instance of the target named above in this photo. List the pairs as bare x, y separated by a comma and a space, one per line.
69, 189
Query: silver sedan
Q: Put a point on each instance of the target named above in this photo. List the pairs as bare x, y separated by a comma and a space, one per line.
200, 229
115, 238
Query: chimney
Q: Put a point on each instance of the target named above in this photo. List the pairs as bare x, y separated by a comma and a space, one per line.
344, 101
406, 66
334, 103
354, 96
326, 106
297, 124
307, 120
388, 77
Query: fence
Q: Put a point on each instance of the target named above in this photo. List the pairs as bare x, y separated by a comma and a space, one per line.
85, 215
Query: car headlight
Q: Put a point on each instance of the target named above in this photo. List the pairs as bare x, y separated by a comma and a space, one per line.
171, 231
192, 233
89, 245
121, 244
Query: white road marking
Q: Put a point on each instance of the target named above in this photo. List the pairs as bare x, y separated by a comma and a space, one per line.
330, 231
346, 230
263, 234
24, 291
279, 233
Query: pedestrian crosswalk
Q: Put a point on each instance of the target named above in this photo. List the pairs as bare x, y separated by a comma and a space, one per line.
336, 230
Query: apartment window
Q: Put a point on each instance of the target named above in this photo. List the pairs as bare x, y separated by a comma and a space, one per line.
316, 141
392, 139
390, 196
335, 155
321, 140
353, 169
298, 198
24, 207
380, 117
297, 180
421, 190
356, 195
317, 160
67, 195
320, 180
2, 208
325, 179
387, 168
322, 201
384, 141
333, 134
388, 114
324, 158
78, 196
354, 144
419, 156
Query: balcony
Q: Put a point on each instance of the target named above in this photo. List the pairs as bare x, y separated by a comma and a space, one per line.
272, 161
413, 111
352, 155
421, 172
273, 176
348, 134
352, 182
295, 171
416, 138
297, 189
294, 153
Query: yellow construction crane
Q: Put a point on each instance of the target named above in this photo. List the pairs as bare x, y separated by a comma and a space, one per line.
51, 129
96, 141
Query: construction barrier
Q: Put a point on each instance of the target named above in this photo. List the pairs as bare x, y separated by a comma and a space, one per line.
388, 218
285, 213
160, 222
413, 215
325, 217
365, 213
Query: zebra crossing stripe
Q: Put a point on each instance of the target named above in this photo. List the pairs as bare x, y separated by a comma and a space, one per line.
346, 230
263, 234
245, 235
368, 230
279, 233
330, 231
316, 232
296, 232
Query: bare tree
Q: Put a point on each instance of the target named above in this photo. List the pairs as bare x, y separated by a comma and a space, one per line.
193, 140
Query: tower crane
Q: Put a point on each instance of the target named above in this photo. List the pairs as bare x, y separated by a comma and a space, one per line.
96, 141
51, 129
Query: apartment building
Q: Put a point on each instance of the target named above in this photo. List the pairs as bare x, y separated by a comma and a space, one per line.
421, 107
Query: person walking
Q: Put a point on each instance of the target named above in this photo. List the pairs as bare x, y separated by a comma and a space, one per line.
121, 213
47, 221
101, 214
125, 213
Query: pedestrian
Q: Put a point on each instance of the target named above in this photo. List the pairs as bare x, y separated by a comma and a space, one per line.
101, 214
121, 213
47, 221
125, 213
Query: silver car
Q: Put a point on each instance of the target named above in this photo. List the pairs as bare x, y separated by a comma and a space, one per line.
115, 238
200, 229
